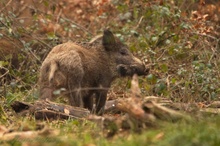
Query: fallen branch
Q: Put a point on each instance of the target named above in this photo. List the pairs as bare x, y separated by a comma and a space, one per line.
7, 134
214, 104
164, 113
49, 110
134, 108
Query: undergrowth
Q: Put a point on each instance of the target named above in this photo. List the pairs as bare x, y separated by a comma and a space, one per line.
73, 132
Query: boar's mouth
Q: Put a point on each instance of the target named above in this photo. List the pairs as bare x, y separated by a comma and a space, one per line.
130, 70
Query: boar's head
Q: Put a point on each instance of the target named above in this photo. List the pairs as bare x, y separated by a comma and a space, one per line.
126, 63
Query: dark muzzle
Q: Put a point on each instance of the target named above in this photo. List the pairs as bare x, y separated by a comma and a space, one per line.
130, 70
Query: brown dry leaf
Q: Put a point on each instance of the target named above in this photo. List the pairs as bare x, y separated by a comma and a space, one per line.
205, 16
161, 2
211, 9
159, 136
202, 2
188, 44
201, 105
195, 14
3, 130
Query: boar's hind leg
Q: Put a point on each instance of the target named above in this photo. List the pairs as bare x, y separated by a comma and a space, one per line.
75, 94
46, 93
101, 96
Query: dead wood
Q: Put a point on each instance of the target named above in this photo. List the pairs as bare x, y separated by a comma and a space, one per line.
214, 104
43, 109
161, 100
164, 113
133, 107
110, 107
7, 134
210, 111
212, 108
137, 111
187, 107
147, 109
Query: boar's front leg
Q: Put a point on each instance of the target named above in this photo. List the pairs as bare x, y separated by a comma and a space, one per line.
101, 97
88, 101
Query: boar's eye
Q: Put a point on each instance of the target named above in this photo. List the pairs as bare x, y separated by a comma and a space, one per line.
123, 52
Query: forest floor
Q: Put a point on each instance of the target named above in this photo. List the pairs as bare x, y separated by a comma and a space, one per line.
179, 100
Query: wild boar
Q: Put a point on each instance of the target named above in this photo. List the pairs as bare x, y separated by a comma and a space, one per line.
87, 69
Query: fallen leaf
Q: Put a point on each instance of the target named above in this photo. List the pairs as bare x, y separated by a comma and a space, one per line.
159, 136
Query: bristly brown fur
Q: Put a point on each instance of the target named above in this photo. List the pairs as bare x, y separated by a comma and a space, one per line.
87, 69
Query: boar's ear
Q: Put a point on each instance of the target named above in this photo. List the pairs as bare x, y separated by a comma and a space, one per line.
108, 40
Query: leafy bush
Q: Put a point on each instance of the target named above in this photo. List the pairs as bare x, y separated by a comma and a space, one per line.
182, 51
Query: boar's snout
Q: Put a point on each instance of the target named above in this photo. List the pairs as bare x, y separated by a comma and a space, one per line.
140, 70
130, 70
